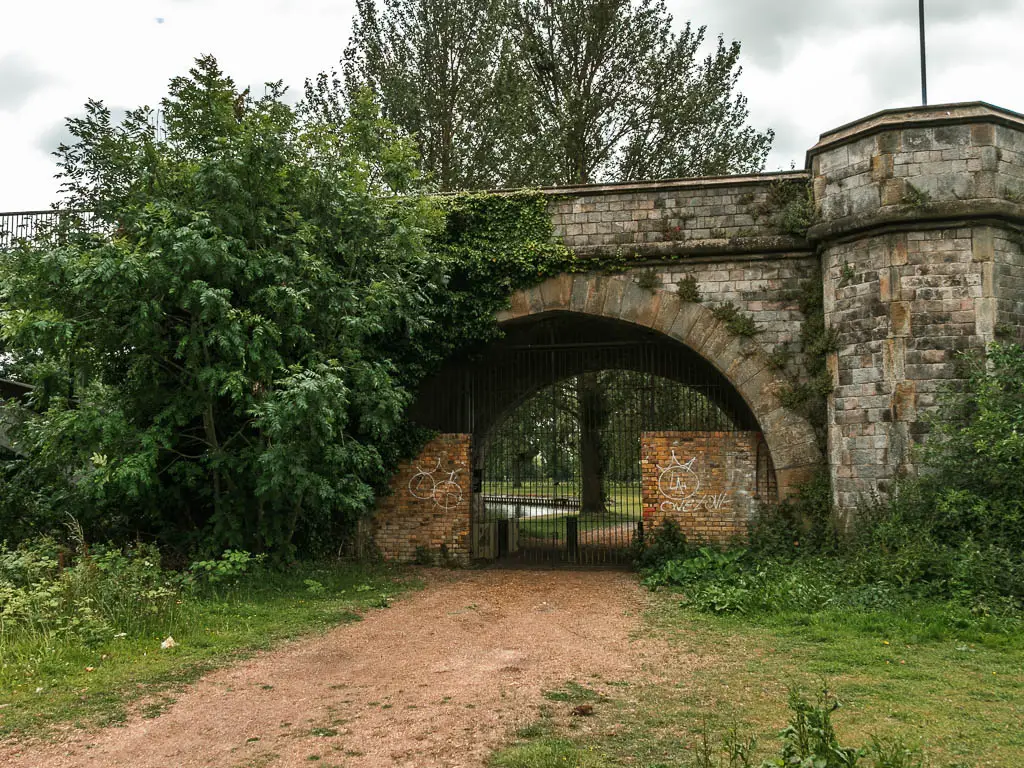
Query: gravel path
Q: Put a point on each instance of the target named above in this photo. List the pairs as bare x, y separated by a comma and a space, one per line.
439, 679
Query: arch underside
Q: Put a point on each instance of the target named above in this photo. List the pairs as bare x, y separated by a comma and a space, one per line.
572, 325
473, 395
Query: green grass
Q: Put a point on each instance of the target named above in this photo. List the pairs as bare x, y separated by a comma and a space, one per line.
552, 527
546, 752
47, 680
575, 693
623, 497
919, 673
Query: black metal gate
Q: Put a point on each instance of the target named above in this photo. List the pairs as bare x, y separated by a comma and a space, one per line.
556, 411
561, 479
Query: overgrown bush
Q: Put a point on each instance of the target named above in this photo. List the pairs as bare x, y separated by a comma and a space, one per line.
660, 545
224, 360
90, 594
957, 530
92, 597
974, 465
737, 581
952, 534
809, 740
802, 524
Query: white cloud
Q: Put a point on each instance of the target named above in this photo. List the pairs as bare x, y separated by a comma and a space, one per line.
20, 80
809, 65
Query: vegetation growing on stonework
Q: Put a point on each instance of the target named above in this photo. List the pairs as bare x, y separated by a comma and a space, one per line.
789, 207
649, 280
228, 364
737, 323
914, 196
954, 535
808, 396
688, 290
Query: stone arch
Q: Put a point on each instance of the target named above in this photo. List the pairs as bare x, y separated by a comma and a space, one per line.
742, 361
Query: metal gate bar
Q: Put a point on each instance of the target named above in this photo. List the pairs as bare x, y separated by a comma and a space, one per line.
534, 465
538, 401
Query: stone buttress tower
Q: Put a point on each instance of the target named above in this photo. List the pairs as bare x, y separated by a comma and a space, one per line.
921, 229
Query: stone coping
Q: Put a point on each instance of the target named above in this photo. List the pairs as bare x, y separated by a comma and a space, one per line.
961, 113
907, 215
662, 185
760, 245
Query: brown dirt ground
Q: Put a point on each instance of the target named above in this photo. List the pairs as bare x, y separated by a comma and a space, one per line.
439, 679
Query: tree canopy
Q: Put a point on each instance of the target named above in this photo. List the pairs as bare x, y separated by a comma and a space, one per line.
206, 364
223, 358
540, 92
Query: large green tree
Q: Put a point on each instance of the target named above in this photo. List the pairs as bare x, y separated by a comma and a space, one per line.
435, 66
621, 95
207, 365
538, 92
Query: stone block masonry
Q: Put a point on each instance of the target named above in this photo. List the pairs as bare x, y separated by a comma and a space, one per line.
681, 216
765, 289
704, 481
426, 516
917, 249
916, 253
920, 235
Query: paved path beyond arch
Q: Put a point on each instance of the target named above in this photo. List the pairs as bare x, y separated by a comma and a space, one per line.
441, 678
742, 360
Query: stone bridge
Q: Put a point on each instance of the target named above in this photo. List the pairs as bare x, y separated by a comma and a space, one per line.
905, 231
903, 236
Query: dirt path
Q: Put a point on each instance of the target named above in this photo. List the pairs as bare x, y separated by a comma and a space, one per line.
439, 679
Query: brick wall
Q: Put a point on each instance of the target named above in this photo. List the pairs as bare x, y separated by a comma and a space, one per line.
428, 511
705, 481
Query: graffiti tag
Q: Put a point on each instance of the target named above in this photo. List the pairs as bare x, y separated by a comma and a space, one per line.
679, 484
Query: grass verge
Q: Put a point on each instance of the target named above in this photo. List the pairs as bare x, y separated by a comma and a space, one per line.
955, 689
48, 681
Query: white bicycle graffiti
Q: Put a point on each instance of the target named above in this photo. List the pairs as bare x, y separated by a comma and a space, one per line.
445, 493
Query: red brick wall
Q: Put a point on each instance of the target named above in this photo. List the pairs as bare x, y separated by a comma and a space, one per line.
705, 481
428, 509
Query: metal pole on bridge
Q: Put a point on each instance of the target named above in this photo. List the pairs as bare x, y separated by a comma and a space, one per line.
924, 67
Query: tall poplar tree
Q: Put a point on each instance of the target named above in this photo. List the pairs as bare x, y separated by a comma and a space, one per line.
434, 66
620, 95
542, 92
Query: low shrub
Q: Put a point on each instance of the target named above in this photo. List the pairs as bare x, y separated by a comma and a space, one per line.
660, 545
736, 581
809, 740
92, 597
802, 524
93, 593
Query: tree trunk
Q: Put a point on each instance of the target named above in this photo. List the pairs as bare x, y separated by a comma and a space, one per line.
518, 469
592, 415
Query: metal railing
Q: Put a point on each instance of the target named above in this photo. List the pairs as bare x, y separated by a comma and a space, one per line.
17, 225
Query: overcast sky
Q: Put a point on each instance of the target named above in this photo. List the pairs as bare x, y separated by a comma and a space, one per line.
809, 65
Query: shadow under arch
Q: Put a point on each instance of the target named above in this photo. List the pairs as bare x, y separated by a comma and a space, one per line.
575, 324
